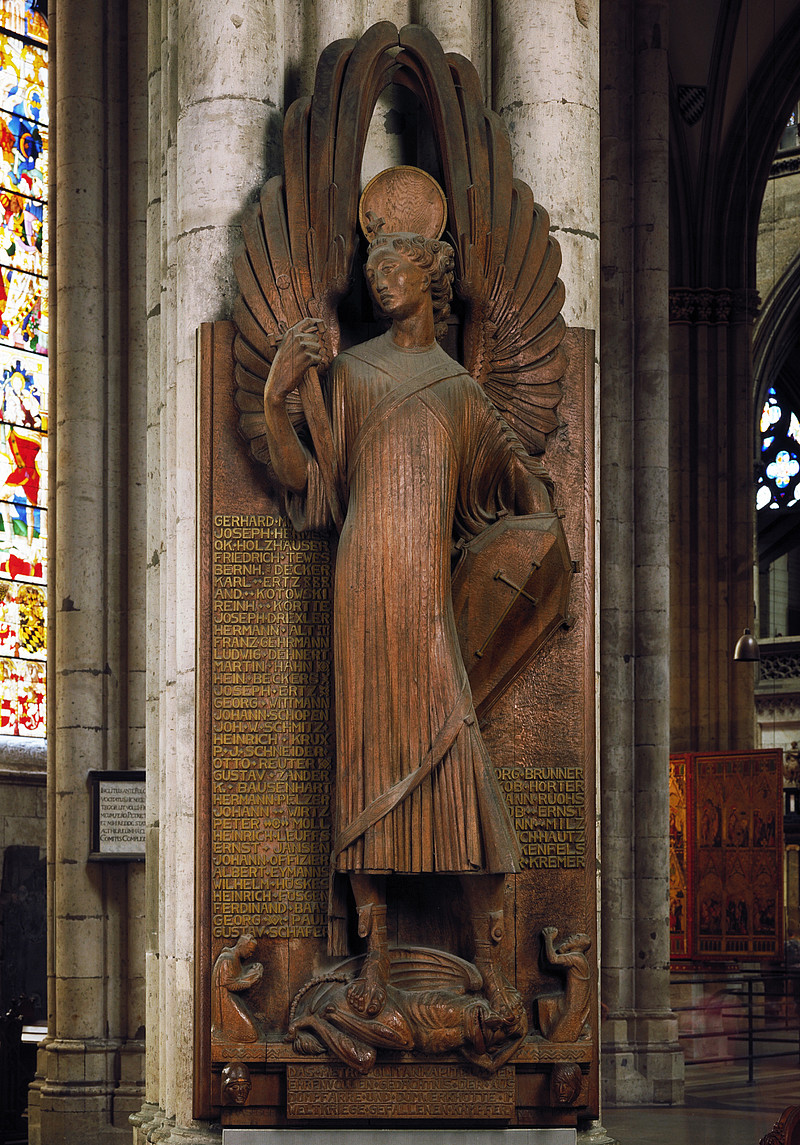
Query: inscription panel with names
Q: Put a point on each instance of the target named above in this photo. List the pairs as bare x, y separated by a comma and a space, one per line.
399, 1092
271, 738
548, 809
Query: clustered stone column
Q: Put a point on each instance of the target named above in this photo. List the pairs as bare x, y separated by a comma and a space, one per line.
216, 90
545, 84
712, 695
643, 1061
90, 1066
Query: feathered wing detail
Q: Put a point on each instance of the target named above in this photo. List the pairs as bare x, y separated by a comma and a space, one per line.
507, 274
300, 239
507, 262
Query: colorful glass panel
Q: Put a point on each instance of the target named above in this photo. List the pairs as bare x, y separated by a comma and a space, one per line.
23, 245
22, 697
23, 389
23, 620
777, 487
23, 474
23, 156
23, 310
23, 543
23, 366
25, 18
23, 78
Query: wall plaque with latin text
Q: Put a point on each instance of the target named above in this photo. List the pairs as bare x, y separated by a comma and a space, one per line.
118, 815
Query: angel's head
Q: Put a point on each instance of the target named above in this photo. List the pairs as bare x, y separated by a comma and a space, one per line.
432, 257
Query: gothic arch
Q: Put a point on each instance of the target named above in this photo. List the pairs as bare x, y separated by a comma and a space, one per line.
743, 168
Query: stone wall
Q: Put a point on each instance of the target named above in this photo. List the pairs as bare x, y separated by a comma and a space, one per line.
779, 225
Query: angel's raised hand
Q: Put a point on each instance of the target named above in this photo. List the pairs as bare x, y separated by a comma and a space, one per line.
301, 348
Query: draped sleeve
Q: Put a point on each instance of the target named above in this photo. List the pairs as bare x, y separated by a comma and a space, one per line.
497, 475
310, 509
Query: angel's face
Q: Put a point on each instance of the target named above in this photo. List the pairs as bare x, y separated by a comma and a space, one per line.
400, 286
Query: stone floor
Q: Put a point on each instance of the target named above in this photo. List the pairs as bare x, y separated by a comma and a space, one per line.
720, 1107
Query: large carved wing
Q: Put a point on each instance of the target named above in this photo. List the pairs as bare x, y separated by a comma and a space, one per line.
300, 239
507, 262
514, 332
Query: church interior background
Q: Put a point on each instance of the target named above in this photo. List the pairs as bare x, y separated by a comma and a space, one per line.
663, 139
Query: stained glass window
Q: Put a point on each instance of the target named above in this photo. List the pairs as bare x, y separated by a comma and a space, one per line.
789, 139
779, 484
23, 366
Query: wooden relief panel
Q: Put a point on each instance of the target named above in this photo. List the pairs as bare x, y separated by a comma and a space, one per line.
679, 898
396, 907
265, 791
733, 823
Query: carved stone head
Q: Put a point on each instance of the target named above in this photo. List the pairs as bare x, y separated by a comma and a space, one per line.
430, 255
236, 1084
565, 1084
575, 942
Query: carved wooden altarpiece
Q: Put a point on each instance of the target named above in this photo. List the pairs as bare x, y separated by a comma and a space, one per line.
726, 855
275, 1010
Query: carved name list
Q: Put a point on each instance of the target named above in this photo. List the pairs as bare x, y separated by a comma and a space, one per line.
271, 735
547, 808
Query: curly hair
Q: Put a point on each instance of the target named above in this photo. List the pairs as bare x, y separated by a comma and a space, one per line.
433, 255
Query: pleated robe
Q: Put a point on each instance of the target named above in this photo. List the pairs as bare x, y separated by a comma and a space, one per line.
423, 471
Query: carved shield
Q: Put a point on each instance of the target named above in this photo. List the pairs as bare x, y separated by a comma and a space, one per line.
510, 595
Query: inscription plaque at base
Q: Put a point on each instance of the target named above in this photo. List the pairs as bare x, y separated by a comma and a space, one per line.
400, 1137
407, 1092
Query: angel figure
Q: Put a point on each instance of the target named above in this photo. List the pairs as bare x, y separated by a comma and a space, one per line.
428, 460
409, 455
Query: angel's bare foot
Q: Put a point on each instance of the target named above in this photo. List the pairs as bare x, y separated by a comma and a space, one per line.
367, 993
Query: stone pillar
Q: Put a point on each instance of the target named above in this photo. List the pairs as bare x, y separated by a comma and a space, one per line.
463, 26
712, 402
130, 1087
643, 1062
90, 1066
616, 538
545, 84
216, 75
660, 1058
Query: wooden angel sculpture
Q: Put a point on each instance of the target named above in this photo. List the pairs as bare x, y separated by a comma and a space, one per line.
407, 453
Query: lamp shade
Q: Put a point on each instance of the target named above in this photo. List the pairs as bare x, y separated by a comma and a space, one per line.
747, 647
